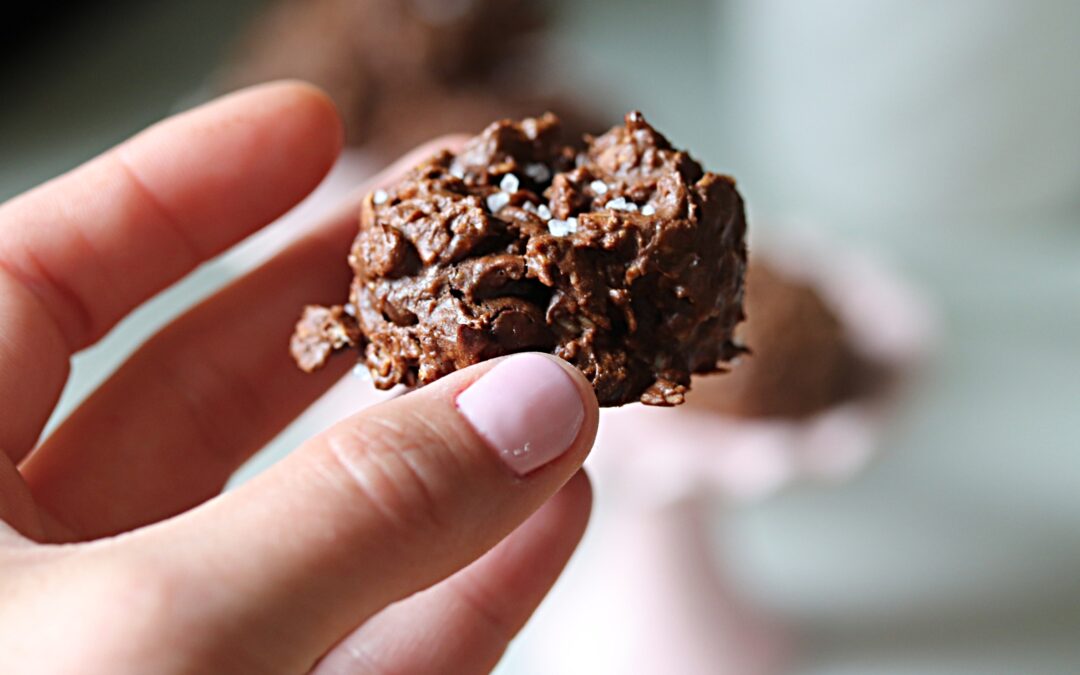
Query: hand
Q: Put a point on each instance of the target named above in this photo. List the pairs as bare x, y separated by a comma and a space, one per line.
117, 552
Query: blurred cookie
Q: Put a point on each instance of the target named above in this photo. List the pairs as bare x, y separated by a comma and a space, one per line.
404, 71
801, 361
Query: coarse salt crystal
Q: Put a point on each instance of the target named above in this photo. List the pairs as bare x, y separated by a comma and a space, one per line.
380, 197
561, 228
457, 172
544, 212
648, 210
350, 309
530, 207
497, 200
620, 204
538, 172
509, 183
361, 371
599, 187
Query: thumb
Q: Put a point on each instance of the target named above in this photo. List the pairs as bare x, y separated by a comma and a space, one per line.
383, 504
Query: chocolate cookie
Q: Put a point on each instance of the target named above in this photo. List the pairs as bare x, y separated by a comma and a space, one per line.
620, 255
803, 361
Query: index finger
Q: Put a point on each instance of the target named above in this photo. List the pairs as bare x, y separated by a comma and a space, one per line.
79, 252
95, 242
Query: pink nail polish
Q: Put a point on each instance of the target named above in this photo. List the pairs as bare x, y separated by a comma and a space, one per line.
527, 408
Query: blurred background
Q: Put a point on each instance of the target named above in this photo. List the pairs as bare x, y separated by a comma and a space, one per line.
942, 138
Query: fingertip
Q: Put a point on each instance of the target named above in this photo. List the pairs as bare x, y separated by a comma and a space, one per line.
530, 411
587, 434
308, 128
294, 115
315, 107
585, 388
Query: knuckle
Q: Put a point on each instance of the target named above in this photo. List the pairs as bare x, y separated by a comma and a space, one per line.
397, 470
488, 614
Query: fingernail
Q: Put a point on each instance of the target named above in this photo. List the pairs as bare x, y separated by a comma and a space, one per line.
528, 410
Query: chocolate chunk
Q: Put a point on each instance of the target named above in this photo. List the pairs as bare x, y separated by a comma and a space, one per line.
320, 331
622, 256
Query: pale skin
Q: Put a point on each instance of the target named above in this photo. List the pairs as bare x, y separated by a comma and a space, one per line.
380, 546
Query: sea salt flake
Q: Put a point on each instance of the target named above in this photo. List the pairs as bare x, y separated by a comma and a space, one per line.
544, 212
497, 200
380, 197
599, 187
620, 204
561, 228
538, 172
509, 183
361, 371
648, 210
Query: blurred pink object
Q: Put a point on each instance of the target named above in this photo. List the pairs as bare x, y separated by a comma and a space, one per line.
647, 593
664, 455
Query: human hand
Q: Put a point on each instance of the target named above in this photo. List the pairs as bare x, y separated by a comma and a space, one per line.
117, 552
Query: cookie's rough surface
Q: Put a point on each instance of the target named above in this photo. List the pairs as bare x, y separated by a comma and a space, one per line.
621, 256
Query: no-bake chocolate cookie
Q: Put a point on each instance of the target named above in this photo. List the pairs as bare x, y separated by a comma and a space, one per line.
620, 254
803, 360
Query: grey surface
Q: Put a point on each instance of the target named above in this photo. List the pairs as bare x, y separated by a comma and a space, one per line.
89, 86
75, 92
957, 552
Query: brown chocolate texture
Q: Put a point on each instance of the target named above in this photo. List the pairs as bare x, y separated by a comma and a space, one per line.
620, 255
